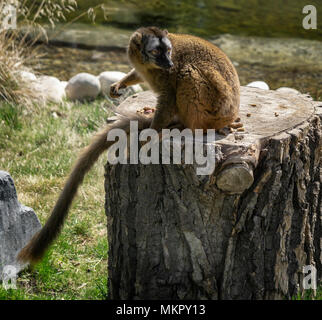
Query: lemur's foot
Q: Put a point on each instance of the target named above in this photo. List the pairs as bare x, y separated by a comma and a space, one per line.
236, 124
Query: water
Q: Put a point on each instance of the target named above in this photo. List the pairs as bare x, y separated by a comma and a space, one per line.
266, 18
268, 42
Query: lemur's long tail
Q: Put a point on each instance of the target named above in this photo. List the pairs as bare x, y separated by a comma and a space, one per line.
39, 243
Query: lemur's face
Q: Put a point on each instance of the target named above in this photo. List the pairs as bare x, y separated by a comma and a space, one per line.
157, 51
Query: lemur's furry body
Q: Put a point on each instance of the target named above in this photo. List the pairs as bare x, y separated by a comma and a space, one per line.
196, 84
201, 88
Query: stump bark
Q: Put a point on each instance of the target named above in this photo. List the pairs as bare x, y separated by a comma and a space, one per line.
243, 232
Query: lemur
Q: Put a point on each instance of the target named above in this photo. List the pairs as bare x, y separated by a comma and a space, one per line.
196, 85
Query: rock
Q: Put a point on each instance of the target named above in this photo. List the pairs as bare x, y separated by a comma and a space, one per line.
64, 85
27, 76
83, 86
50, 89
288, 90
108, 77
18, 223
136, 88
259, 84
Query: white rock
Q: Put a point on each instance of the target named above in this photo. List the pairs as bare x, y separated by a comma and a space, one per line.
54, 91
288, 90
136, 88
27, 76
259, 84
107, 78
64, 85
49, 88
83, 86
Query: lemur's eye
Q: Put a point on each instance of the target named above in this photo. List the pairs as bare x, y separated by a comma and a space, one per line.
169, 50
155, 52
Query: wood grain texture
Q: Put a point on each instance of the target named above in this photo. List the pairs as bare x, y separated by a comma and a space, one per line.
175, 235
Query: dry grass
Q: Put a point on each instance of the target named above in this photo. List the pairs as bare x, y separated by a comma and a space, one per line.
17, 45
17, 49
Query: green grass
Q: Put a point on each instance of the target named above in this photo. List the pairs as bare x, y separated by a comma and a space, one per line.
310, 295
9, 115
38, 149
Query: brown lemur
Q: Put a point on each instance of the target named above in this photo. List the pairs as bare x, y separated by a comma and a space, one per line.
197, 86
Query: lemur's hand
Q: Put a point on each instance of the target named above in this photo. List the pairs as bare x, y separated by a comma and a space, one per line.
114, 89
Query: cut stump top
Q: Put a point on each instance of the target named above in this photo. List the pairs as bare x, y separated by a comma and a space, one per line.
264, 113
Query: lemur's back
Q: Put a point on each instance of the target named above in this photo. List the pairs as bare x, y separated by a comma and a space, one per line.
207, 84
192, 50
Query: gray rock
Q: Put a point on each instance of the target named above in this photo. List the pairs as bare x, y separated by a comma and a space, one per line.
109, 77
83, 86
18, 224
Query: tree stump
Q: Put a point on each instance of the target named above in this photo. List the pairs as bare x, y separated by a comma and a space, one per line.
243, 232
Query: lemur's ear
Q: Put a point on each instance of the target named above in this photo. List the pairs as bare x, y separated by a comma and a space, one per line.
166, 32
136, 38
